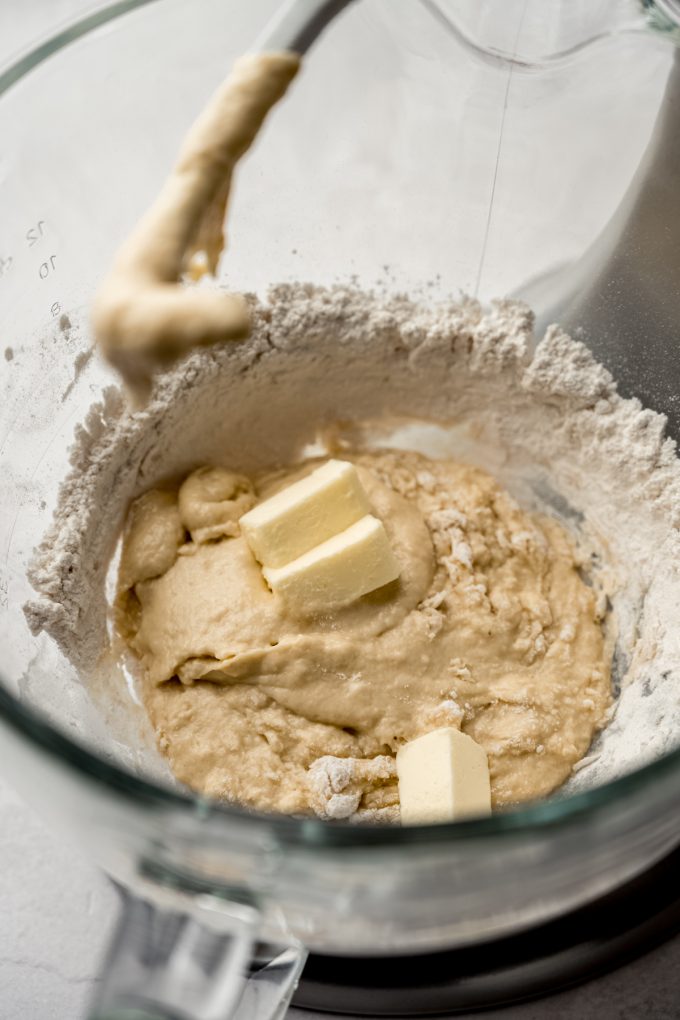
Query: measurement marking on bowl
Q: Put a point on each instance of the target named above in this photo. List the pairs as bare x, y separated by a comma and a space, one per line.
33, 234
48, 267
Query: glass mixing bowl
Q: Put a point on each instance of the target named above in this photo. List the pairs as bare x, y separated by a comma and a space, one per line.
459, 145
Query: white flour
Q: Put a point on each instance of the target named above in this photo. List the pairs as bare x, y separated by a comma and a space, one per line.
548, 424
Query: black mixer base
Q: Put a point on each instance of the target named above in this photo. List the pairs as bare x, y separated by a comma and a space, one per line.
542, 960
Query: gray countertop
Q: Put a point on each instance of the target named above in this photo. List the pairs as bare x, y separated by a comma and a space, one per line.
58, 910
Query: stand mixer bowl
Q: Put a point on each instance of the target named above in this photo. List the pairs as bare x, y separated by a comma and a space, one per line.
460, 147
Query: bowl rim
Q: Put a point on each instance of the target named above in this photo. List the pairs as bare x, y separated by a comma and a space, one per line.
304, 832
319, 833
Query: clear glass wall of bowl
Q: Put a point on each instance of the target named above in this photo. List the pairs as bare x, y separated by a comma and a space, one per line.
459, 146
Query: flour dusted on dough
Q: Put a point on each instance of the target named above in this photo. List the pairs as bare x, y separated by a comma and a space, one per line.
357, 788
548, 424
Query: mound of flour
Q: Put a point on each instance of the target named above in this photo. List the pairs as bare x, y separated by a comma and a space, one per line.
450, 379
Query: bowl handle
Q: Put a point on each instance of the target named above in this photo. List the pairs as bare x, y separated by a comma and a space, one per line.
200, 963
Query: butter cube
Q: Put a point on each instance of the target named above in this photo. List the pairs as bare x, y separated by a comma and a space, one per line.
443, 776
338, 571
305, 514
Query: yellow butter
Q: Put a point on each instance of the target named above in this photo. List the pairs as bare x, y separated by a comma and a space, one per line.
305, 514
338, 571
443, 776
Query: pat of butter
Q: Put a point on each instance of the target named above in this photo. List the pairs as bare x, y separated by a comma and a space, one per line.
305, 514
443, 776
338, 571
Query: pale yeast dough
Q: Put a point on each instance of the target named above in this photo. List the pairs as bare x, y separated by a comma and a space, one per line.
489, 628
143, 317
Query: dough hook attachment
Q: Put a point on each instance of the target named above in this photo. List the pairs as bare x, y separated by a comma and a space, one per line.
297, 24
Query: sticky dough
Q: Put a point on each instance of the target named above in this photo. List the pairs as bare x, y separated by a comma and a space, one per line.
490, 628
143, 317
